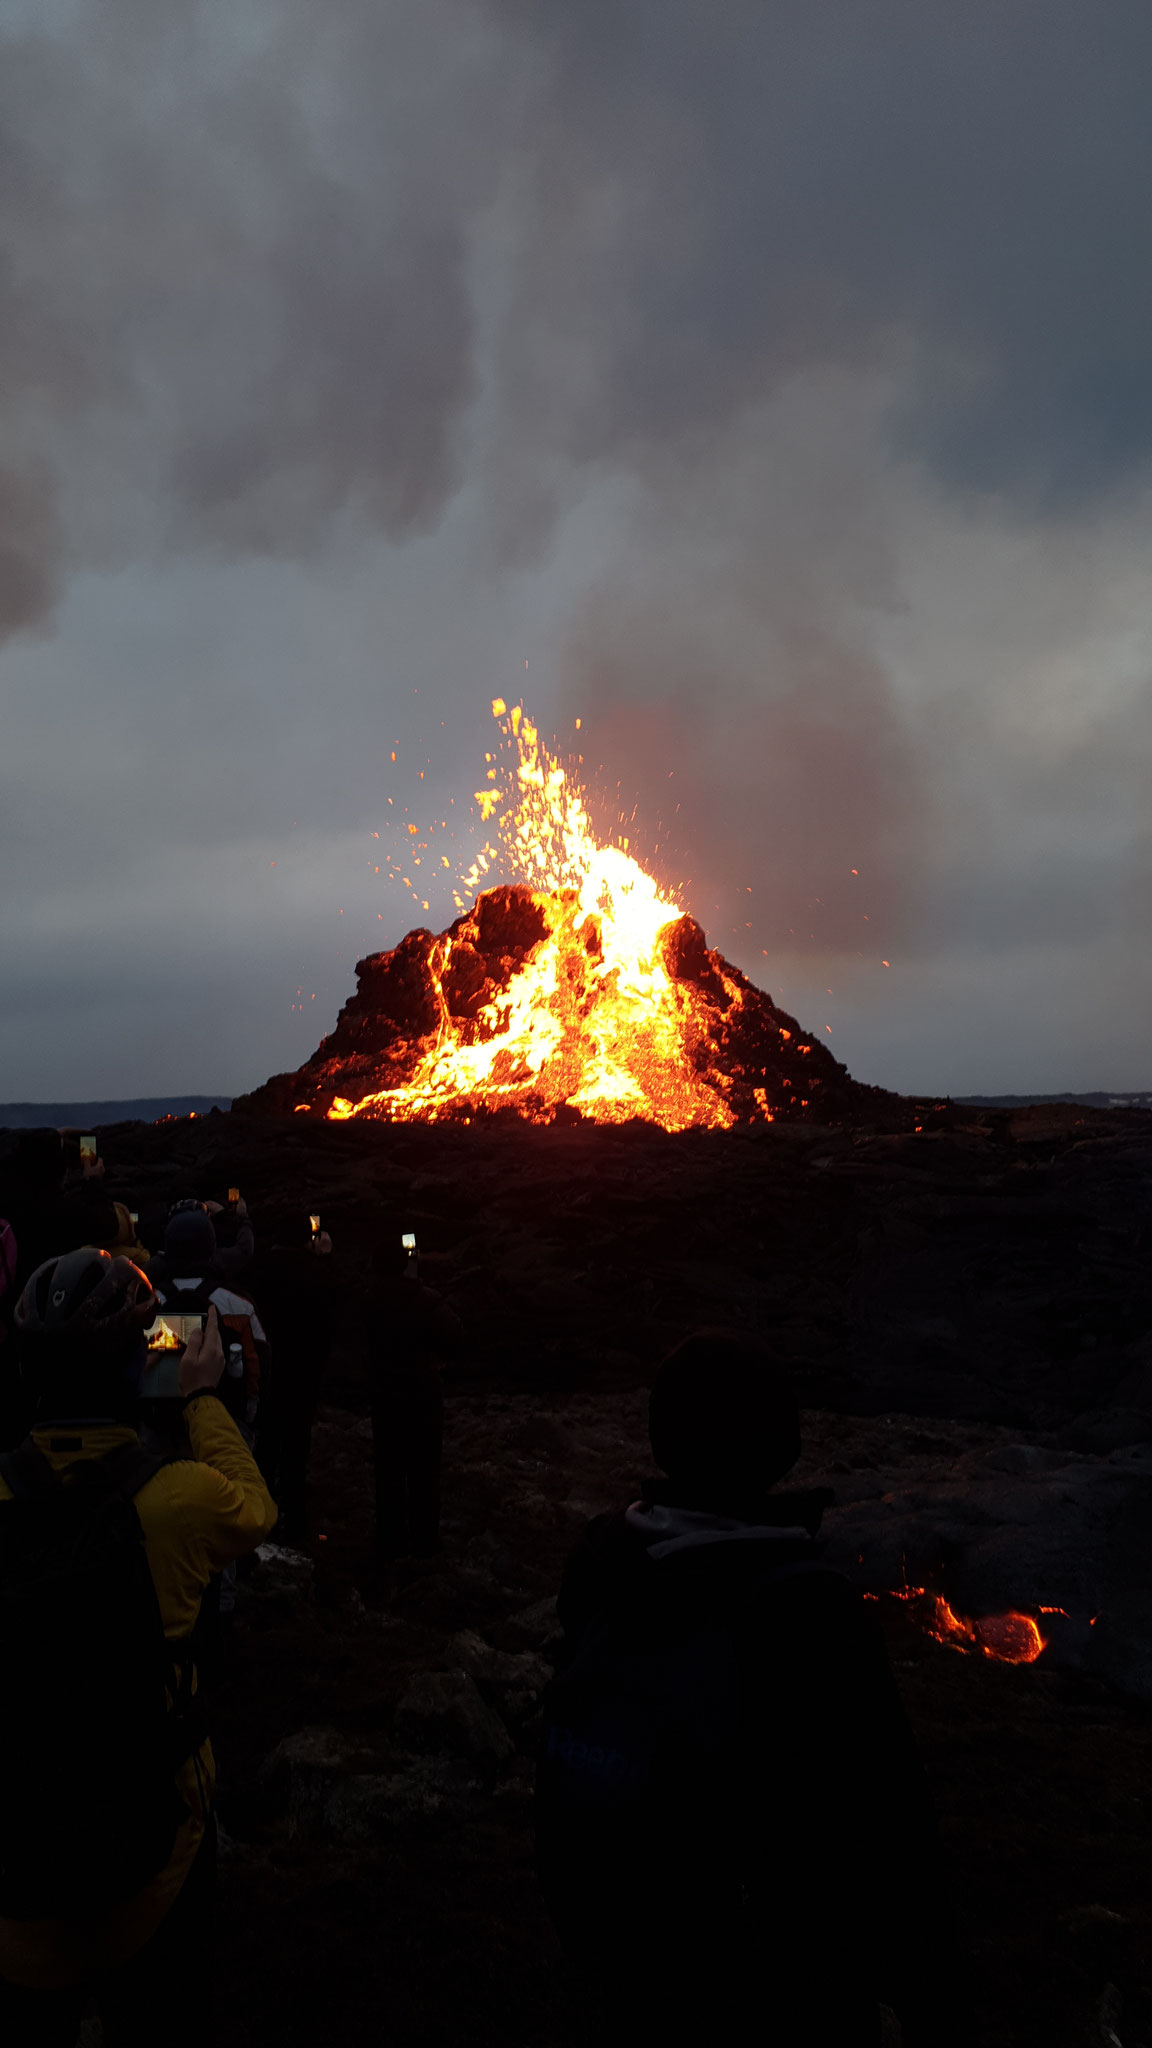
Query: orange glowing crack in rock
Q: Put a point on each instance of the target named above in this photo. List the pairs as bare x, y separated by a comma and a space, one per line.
591, 1018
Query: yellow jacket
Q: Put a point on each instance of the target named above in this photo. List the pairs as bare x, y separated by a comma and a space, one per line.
196, 1517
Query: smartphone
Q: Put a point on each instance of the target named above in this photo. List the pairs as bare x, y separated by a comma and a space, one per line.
88, 1146
233, 1197
315, 1222
408, 1241
134, 1215
166, 1338
171, 1330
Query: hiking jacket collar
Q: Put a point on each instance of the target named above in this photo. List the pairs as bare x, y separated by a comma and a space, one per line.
665, 1530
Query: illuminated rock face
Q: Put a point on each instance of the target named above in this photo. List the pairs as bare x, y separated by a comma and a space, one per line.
534, 1005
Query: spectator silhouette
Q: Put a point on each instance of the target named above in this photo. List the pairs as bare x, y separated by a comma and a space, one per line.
52, 1199
182, 1240
733, 1826
125, 1241
121, 1902
297, 1288
410, 1335
190, 1276
193, 1274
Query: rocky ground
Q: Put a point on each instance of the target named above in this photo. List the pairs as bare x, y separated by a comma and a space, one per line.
968, 1311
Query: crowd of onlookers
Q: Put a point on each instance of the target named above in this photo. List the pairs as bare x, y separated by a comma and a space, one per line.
733, 1830
280, 1298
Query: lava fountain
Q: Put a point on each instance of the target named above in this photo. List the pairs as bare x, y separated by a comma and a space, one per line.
579, 990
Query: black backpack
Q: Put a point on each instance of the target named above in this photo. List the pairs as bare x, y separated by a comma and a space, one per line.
640, 1760
96, 1713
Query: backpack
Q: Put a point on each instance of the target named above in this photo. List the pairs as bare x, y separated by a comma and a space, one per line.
96, 1714
639, 1768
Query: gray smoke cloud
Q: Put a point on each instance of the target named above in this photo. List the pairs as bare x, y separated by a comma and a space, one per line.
778, 380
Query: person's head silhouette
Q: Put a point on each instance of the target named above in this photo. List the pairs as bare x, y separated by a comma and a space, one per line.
723, 1416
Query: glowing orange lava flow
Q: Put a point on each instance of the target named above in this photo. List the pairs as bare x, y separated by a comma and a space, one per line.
1011, 1638
590, 1014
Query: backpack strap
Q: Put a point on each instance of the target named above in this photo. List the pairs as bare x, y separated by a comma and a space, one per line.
26, 1472
124, 1470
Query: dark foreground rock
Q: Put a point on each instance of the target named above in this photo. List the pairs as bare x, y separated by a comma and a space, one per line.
968, 1312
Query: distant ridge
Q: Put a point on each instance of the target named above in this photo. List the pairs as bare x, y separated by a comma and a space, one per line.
1092, 1101
143, 1109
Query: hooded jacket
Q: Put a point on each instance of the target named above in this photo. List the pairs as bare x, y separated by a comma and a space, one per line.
197, 1516
832, 1825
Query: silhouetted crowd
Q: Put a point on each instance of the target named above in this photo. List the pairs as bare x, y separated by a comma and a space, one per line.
734, 1834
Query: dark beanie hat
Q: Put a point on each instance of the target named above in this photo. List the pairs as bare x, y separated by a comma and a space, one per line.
721, 1410
189, 1241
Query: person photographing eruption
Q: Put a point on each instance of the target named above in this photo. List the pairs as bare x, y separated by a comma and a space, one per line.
107, 1850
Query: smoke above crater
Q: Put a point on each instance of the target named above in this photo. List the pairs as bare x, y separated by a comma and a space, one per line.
779, 381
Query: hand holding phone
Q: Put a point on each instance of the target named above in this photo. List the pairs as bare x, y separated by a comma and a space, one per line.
408, 1241
91, 1167
202, 1366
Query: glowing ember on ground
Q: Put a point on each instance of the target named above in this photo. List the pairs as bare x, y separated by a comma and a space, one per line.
592, 1018
1011, 1638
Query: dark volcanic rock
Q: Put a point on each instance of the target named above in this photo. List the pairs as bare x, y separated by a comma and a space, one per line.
967, 1308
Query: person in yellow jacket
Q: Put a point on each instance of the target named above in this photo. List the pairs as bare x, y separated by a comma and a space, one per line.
144, 1959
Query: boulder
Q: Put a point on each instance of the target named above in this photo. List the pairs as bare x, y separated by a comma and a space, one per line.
281, 1581
297, 1777
532, 1628
523, 1669
444, 1710
1022, 1527
369, 1804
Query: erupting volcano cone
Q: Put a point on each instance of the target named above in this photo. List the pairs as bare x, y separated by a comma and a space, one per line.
516, 1008
581, 992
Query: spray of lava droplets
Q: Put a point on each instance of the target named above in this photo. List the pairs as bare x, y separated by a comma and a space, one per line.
592, 1018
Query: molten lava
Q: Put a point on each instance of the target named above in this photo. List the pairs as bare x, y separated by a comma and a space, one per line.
1011, 1638
577, 989
591, 1017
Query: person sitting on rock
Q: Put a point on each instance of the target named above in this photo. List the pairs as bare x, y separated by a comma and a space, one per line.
107, 1853
731, 1817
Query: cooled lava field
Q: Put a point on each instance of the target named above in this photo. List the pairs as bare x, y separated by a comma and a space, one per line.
965, 1300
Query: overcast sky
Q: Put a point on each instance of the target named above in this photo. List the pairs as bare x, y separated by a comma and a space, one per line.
769, 386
